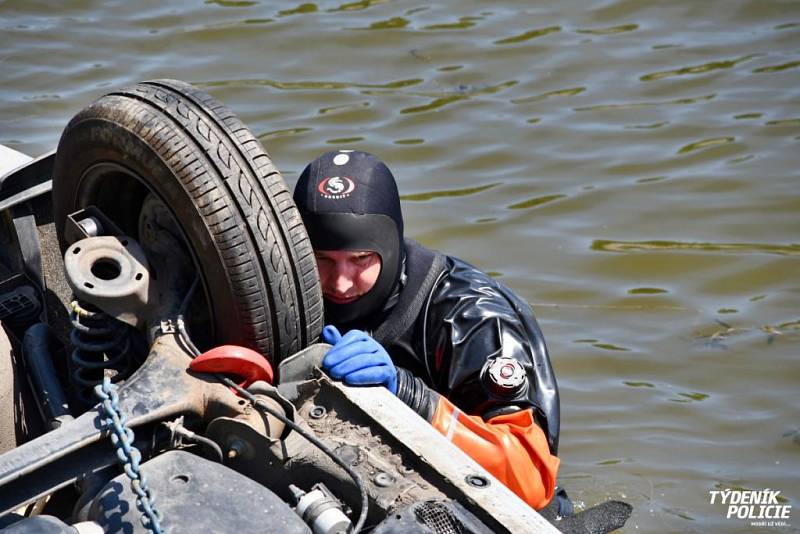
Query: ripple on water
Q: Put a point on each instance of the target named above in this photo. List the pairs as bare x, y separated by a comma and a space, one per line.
610, 346
391, 23
633, 105
305, 85
299, 10
463, 23
258, 21
646, 291
651, 126
778, 68
458, 93
344, 107
436, 104
634, 384
706, 143
232, 3
266, 136
740, 159
697, 69
430, 195
572, 91
344, 140
695, 396
535, 202
748, 116
613, 30
527, 36
784, 122
603, 245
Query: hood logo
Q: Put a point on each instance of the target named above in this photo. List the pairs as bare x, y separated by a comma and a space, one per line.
336, 187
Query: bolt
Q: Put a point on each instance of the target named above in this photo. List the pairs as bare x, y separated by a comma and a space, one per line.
383, 480
236, 448
477, 481
317, 412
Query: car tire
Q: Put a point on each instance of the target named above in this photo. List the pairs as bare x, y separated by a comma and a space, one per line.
233, 208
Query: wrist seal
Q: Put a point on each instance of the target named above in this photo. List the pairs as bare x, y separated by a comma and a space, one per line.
415, 394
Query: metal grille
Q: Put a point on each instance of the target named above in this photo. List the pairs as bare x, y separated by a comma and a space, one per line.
439, 518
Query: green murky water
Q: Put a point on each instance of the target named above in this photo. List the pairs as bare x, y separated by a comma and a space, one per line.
631, 168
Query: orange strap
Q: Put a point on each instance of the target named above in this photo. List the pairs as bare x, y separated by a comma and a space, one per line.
511, 447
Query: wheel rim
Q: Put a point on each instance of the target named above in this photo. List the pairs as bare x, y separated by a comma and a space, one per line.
119, 192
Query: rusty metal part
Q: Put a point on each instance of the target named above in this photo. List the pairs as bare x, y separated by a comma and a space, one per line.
248, 433
161, 389
110, 273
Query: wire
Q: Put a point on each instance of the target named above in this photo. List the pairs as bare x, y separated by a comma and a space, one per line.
184, 336
185, 302
362, 516
181, 322
192, 436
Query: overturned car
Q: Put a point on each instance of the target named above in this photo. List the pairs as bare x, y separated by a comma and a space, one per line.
152, 269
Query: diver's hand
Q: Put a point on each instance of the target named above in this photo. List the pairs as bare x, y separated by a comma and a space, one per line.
358, 360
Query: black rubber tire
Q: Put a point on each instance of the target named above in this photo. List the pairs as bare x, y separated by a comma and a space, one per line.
231, 203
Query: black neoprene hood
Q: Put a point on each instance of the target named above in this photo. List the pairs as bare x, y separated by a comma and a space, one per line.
349, 201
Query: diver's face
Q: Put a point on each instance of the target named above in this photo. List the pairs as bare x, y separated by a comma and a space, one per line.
346, 275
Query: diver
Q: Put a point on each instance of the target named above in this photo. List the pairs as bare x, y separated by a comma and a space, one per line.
458, 347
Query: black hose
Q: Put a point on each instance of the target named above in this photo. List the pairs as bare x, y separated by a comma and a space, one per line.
48, 390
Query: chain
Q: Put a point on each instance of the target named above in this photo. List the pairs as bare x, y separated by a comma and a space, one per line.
128, 455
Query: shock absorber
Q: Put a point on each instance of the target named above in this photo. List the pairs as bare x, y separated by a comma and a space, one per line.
102, 346
110, 280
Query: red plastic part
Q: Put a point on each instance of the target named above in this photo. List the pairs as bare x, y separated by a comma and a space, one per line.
234, 360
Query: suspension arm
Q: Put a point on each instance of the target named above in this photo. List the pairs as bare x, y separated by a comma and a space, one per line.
161, 389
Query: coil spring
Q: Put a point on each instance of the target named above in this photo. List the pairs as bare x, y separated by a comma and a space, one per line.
101, 346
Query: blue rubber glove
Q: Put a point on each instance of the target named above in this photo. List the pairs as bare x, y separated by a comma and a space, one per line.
358, 360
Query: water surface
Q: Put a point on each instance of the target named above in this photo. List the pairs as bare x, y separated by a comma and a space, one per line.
630, 168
